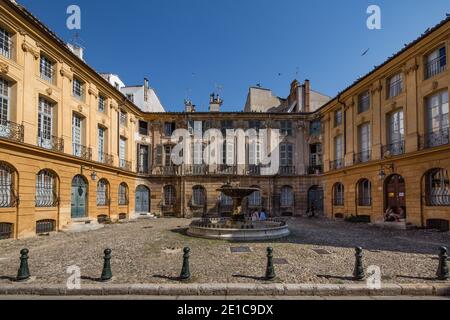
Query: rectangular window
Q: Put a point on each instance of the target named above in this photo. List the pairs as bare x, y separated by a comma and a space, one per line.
101, 103
77, 138
395, 85
437, 119
169, 128
4, 102
143, 128
286, 128
47, 69
123, 118
315, 128
338, 117
101, 144
143, 158
396, 133
45, 124
122, 149
364, 102
436, 62
254, 153
286, 154
339, 148
5, 43
168, 156
364, 143
78, 89
315, 155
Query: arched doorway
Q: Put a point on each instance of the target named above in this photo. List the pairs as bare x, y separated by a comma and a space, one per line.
142, 199
395, 193
315, 197
79, 197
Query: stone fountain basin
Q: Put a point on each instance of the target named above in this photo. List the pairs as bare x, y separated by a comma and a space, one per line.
226, 229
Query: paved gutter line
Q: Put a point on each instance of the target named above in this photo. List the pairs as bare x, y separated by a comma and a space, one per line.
279, 290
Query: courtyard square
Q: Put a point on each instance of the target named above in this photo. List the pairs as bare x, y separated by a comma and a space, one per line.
318, 251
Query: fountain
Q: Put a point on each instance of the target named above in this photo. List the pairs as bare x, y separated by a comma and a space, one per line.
238, 228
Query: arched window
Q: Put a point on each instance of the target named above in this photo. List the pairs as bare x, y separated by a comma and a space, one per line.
103, 192
198, 196
123, 194
254, 200
364, 193
46, 194
7, 196
437, 187
169, 195
225, 200
338, 194
287, 197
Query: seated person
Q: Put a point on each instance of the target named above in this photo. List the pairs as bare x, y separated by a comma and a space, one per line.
389, 215
255, 215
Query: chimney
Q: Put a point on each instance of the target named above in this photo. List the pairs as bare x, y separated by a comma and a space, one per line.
188, 106
215, 103
307, 95
146, 87
77, 50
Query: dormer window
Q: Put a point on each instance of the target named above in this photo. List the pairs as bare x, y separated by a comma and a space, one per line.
5, 43
130, 97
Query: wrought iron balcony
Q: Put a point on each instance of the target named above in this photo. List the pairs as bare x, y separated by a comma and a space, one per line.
435, 66
167, 170
124, 164
254, 170
435, 139
393, 149
196, 169
53, 143
11, 131
226, 169
286, 170
364, 156
336, 164
81, 151
315, 169
106, 158
143, 169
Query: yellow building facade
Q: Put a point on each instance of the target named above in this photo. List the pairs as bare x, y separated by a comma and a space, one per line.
74, 149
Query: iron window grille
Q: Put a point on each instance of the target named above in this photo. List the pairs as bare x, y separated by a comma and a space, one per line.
8, 197
102, 193
6, 231
437, 188
45, 226
46, 195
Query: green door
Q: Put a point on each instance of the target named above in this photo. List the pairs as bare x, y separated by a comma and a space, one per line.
79, 197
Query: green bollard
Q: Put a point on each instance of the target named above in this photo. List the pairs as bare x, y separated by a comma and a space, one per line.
270, 271
358, 273
185, 270
106, 272
442, 273
24, 273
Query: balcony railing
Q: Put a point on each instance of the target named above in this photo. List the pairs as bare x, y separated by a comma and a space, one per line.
393, 149
167, 170
362, 157
143, 169
336, 164
226, 169
11, 131
254, 170
53, 143
81, 151
287, 170
395, 88
435, 139
106, 158
124, 164
435, 66
315, 169
196, 169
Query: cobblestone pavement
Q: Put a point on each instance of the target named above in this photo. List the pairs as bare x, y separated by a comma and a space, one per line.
150, 251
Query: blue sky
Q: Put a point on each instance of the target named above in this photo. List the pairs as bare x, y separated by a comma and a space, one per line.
189, 47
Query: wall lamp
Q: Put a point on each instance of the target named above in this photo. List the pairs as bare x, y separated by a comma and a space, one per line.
384, 168
93, 173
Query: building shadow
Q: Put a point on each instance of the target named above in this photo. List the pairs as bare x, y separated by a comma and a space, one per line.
333, 277
170, 278
416, 278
